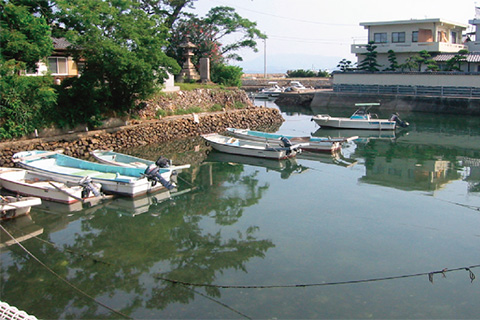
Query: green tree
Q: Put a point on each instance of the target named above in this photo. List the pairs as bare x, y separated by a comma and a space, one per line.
392, 58
227, 75
122, 47
370, 62
345, 65
25, 40
456, 62
209, 34
410, 64
301, 73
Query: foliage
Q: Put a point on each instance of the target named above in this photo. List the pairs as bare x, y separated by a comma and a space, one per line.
370, 62
301, 73
345, 65
410, 63
392, 58
455, 63
230, 76
122, 49
23, 101
209, 34
25, 40
193, 86
24, 37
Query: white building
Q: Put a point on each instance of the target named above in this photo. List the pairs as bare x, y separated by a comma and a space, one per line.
442, 39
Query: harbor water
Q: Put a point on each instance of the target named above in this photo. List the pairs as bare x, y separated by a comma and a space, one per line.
388, 228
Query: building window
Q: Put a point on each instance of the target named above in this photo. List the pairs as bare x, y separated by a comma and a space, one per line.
415, 36
398, 37
453, 37
380, 38
57, 65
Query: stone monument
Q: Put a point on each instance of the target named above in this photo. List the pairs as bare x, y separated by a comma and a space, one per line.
188, 72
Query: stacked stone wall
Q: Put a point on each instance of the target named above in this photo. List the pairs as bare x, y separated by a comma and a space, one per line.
144, 133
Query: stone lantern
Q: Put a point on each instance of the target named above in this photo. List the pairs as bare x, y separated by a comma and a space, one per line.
188, 72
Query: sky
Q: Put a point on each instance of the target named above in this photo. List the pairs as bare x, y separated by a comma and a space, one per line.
317, 34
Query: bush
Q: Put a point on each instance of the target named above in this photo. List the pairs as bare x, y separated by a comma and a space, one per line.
227, 75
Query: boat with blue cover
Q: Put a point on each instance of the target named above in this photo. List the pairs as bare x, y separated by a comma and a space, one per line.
117, 180
124, 160
305, 143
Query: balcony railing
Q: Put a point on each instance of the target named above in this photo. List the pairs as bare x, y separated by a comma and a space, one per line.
410, 47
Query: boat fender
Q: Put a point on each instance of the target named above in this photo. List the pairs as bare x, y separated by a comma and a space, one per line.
87, 185
152, 173
286, 142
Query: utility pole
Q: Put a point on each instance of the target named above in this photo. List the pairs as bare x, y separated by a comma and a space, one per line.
265, 58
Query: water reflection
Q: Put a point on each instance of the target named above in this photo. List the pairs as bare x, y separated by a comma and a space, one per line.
286, 167
120, 255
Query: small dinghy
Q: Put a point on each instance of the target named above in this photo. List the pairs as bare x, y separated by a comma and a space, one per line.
251, 148
124, 160
306, 143
117, 180
12, 207
30, 183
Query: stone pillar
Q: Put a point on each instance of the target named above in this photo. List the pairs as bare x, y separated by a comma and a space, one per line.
205, 70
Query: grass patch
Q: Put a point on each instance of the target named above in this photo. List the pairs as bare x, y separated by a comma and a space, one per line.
215, 107
193, 86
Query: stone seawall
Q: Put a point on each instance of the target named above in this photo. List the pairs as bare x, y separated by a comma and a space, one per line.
144, 133
329, 99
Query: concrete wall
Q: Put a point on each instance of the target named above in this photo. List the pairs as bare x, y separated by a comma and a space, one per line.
409, 79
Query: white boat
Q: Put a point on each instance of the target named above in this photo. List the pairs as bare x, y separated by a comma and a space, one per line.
305, 143
124, 181
361, 119
272, 91
124, 160
296, 86
12, 207
250, 147
30, 183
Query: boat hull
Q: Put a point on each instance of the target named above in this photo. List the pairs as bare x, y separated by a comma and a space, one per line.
124, 160
347, 123
114, 179
12, 207
305, 143
248, 148
28, 183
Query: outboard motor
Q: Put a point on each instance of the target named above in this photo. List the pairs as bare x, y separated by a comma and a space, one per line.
88, 187
163, 162
395, 117
286, 142
152, 173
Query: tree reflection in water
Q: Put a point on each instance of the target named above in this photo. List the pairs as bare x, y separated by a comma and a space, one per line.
120, 259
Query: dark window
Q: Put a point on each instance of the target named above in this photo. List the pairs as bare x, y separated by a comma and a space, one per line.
398, 37
380, 37
415, 36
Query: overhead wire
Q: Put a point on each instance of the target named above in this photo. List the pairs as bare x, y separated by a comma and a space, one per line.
63, 279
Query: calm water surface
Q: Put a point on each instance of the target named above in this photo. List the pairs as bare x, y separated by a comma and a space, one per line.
361, 230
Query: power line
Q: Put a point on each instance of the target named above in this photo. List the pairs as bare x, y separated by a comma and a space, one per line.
290, 18
305, 285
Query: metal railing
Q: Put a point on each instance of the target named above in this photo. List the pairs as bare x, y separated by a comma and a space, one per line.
441, 91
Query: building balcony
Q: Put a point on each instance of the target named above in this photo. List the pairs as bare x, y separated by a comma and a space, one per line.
410, 47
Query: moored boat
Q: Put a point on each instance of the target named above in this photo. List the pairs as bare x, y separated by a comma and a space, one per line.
30, 183
118, 180
124, 160
12, 207
305, 143
251, 148
360, 119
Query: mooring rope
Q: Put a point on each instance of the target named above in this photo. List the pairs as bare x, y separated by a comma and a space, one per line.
61, 278
304, 285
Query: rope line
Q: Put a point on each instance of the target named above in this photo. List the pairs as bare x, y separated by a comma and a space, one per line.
63, 279
429, 274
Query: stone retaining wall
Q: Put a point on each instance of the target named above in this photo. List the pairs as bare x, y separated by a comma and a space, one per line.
144, 133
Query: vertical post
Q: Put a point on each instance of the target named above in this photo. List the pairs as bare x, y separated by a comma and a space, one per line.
265, 58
